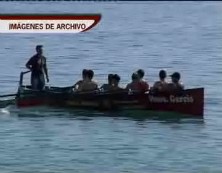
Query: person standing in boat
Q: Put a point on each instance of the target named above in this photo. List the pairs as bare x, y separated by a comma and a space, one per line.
160, 85
143, 84
37, 65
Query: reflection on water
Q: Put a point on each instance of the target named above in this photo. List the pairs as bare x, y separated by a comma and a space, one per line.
57, 139
84, 114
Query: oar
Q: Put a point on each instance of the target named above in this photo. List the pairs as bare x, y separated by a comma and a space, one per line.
21, 76
5, 103
8, 95
26, 72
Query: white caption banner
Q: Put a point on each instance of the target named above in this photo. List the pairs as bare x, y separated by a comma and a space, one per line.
44, 26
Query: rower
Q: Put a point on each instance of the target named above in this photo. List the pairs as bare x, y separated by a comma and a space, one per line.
115, 82
88, 84
84, 74
135, 84
141, 73
175, 85
160, 85
37, 65
143, 84
106, 87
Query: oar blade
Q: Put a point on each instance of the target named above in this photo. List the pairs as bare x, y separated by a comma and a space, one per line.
5, 103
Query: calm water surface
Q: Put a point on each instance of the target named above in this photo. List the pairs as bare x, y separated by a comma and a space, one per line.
177, 36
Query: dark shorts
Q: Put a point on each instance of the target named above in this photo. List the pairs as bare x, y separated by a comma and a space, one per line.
38, 81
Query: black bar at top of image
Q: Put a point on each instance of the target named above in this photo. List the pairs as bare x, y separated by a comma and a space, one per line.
107, 0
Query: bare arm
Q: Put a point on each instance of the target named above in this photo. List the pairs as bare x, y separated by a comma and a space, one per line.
29, 64
96, 86
77, 83
45, 69
182, 86
127, 87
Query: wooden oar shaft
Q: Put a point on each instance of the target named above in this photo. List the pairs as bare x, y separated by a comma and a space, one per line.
26, 71
21, 76
8, 95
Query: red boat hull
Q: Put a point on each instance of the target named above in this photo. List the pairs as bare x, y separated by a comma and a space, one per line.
189, 102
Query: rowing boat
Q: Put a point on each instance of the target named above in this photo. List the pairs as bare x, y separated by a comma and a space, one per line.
190, 101
187, 102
